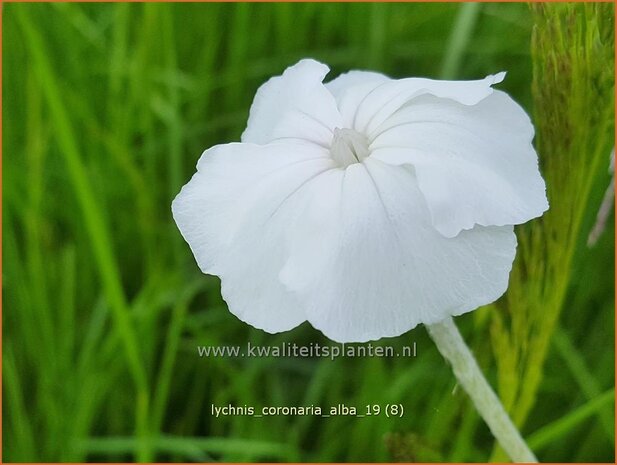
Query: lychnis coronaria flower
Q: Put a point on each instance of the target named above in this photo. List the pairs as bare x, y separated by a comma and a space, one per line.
365, 205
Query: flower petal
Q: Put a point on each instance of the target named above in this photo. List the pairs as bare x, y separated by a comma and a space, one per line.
475, 164
294, 105
351, 88
366, 262
231, 215
392, 95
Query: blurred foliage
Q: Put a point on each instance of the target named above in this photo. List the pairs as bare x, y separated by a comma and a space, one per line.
106, 108
573, 50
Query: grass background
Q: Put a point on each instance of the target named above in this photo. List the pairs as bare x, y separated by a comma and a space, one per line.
106, 109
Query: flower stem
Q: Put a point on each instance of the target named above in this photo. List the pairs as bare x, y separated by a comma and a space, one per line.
453, 348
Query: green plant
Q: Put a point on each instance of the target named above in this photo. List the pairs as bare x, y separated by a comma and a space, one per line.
106, 108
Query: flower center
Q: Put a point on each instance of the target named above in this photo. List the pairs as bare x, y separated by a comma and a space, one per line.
348, 147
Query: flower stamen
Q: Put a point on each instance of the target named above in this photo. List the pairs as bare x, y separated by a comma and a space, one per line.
348, 147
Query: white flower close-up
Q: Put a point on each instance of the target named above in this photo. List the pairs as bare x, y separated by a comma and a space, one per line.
366, 205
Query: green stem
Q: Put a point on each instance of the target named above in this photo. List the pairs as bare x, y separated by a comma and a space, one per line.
453, 348
462, 31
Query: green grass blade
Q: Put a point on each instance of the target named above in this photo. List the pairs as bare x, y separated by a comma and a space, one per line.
560, 428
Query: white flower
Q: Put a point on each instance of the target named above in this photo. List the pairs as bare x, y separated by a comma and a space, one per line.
366, 205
